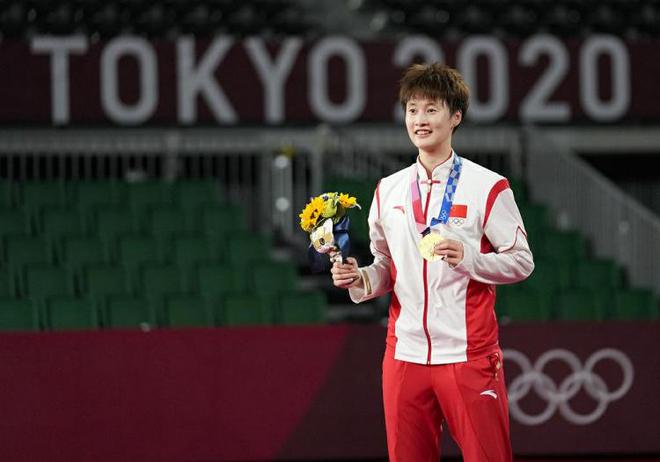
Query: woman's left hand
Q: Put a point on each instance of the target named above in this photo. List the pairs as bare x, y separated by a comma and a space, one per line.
450, 250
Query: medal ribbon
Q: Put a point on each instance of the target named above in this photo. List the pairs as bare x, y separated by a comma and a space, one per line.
447, 200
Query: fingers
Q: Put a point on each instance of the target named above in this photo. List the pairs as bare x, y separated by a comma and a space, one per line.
450, 250
448, 244
346, 274
352, 261
345, 280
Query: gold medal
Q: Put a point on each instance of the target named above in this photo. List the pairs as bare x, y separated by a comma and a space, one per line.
427, 244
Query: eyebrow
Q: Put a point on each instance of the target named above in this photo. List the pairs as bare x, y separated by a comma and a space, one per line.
430, 103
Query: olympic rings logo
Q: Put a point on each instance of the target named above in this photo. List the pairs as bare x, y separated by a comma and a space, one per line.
457, 221
558, 396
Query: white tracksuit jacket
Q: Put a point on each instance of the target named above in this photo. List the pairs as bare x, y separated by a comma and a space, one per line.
439, 314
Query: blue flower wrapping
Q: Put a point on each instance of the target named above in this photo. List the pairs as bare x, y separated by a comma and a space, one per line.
321, 262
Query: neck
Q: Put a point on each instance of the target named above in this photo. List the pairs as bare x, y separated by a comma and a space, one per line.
430, 160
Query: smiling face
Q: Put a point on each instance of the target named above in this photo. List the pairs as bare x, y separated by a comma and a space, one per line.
430, 125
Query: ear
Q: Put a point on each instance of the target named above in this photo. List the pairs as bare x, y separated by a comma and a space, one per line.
456, 119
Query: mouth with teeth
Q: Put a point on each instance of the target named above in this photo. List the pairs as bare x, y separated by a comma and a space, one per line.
422, 132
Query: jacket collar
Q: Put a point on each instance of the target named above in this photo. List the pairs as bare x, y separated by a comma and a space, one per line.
440, 172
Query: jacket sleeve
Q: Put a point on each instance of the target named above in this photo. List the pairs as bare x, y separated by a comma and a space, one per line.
512, 259
376, 277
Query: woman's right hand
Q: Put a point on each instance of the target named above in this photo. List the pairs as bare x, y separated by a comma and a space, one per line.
346, 275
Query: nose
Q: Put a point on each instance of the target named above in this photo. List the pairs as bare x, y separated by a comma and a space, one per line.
420, 119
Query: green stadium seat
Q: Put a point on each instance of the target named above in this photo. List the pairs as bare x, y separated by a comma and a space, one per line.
247, 248
79, 251
7, 284
37, 195
144, 195
22, 251
185, 311
165, 222
215, 281
302, 308
159, 280
125, 312
90, 195
548, 277
71, 314
578, 305
563, 273
13, 222
59, 222
135, 251
525, 304
190, 251
220, 221
501, 303
565, 246
635, 304
604, 297
18, 315
535, 218
596, 274
244, 309
44, 281
99, 282
270, 278
192, 195
111, 223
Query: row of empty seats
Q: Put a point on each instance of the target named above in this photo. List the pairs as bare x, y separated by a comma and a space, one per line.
526, 303
568, 18
183, 310
31, 196
93, 247
114, 233
153, 18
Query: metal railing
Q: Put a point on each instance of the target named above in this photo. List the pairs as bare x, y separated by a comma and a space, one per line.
245, 162
617, 226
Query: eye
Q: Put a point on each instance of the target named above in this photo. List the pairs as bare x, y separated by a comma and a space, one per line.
432, 109
412, 110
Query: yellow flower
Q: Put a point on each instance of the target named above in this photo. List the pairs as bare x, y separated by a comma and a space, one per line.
347, 201
306, 222
311, 213
317, 204
325, 206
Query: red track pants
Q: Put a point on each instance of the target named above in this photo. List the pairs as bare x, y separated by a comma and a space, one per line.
470, 396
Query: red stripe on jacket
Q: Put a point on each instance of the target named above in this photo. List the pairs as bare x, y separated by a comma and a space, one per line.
395, 310
480, 319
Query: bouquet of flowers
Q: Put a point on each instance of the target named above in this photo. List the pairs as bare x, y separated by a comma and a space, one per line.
325, 219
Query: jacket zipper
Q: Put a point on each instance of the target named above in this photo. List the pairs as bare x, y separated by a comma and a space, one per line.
426, 288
